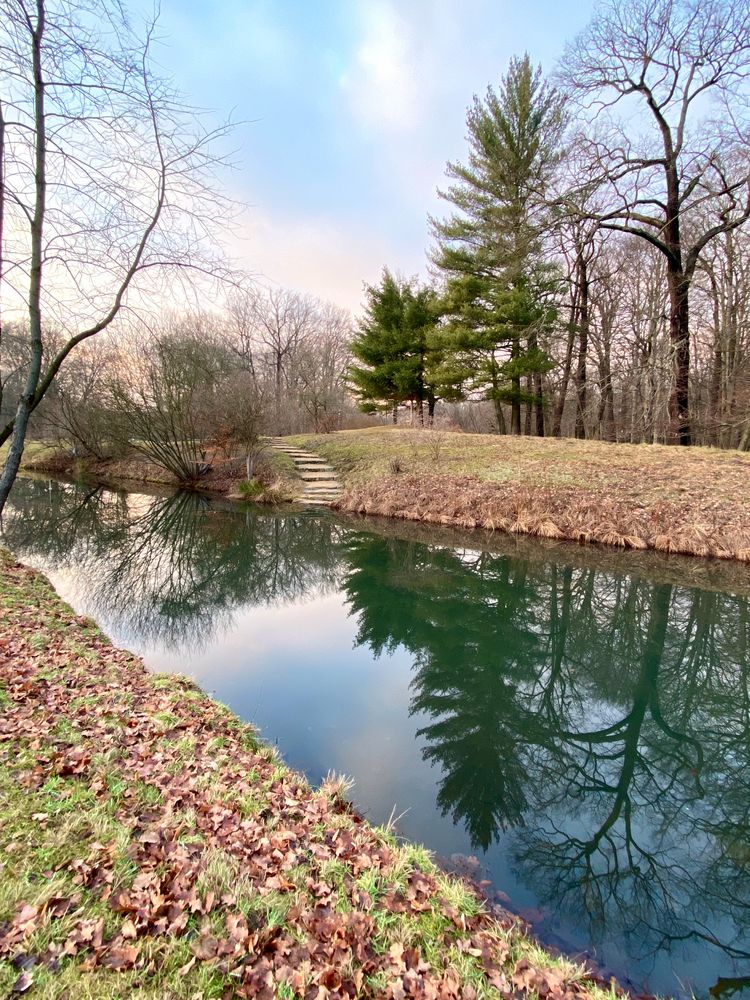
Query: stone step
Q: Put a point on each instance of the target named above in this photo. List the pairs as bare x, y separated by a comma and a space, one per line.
321, 488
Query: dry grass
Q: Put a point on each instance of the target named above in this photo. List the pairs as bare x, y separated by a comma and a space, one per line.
691, 501
275, 472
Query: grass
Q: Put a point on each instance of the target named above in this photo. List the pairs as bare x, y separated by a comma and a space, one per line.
33, 451
151, 847
693, 501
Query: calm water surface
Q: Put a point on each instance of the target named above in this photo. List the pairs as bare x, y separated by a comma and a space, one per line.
580, 737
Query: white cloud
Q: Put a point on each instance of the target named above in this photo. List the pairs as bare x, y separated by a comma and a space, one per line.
381, 83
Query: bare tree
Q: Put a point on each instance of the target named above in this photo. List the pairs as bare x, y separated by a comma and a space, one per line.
170, 397
322, 366
661, 65
272, 325
77, 411
106, 177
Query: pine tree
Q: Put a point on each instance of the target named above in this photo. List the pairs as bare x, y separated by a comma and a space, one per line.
393, 347
499, 292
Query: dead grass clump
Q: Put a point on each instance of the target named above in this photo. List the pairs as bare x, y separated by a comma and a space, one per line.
548, 529
635, 542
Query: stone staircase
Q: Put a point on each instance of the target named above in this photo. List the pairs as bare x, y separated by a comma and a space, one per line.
321, 486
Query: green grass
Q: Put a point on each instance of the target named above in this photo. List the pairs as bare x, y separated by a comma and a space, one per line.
33, 450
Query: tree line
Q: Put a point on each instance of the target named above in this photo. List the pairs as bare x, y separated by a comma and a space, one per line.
191, 386
590, 277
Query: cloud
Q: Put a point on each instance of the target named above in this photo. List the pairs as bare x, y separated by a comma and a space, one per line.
381, 83
326, 257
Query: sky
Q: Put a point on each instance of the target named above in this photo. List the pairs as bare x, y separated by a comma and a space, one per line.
347, 113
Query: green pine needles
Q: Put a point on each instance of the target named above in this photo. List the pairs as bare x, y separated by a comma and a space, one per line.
394, 348
499, 297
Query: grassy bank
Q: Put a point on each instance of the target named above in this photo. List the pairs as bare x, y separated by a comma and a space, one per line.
693, 501
276, 480
153, 848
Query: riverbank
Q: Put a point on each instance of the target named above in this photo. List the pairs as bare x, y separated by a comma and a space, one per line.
275, 482
153, 847
692, 501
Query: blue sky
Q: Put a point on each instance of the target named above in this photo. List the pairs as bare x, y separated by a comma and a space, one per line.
350, 110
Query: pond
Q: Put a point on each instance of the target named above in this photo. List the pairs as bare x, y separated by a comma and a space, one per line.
572, 726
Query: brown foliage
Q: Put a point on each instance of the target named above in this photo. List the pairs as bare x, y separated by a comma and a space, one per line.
696, 524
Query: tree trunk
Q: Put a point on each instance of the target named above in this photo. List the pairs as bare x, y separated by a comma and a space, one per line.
717, 365
679, 337
26, 401
515, 405
539, 404
527, 407
500, 417
567, 366
606, 402
583, 346
535, 387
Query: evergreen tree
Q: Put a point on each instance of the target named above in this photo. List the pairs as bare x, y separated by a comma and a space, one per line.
393, 347
499, 292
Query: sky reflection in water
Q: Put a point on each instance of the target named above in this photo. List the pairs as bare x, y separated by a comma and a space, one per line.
585, 734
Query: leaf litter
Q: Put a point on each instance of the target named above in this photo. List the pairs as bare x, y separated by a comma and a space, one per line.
217, 852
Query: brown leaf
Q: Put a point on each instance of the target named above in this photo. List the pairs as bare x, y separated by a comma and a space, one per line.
205, 948
237, 927
119, 957
58, 906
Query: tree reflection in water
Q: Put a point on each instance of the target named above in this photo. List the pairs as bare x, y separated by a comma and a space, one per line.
170, 569
600, 719
607, 716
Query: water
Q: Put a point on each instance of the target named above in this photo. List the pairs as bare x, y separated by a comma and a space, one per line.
572, 726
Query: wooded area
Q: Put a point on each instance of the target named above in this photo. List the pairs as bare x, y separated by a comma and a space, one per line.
590, 278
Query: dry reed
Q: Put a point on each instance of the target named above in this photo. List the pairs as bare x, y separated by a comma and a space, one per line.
558, 512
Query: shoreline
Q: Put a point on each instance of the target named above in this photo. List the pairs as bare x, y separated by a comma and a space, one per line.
589, 517
677, 569
626, 497
171, 826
